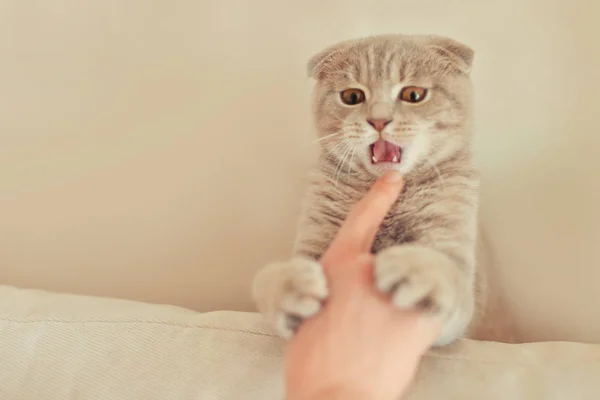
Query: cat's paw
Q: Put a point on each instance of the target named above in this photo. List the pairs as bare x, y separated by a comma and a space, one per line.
426, 280
289, 292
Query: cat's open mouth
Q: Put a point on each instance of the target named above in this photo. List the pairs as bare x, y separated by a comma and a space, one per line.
383, 151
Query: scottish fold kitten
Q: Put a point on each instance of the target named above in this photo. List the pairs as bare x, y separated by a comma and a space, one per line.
390, 102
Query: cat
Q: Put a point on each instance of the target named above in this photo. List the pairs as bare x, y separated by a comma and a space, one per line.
400, 102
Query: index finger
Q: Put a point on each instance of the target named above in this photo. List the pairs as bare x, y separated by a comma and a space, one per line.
357, 233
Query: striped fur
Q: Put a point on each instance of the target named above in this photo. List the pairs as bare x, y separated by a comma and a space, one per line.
429, 237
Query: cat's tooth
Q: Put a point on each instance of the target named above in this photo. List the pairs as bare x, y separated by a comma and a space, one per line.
395, 159
374, 159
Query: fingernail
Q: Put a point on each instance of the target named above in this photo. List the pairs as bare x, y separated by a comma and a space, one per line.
392, 176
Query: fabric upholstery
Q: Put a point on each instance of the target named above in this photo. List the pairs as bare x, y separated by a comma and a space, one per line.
59, 346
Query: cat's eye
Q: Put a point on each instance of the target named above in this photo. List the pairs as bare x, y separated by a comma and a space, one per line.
412, 94
352, 96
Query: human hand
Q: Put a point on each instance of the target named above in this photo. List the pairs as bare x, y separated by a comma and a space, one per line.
358, 346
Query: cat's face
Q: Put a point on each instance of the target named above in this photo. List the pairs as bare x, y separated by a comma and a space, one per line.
392, 102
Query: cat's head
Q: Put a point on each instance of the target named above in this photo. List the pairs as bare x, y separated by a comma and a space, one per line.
392, 102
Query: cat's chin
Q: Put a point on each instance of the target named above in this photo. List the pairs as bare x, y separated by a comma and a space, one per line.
380, 168
404, 167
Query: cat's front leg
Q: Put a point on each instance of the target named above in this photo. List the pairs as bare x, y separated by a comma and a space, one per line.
423, 278
289, 292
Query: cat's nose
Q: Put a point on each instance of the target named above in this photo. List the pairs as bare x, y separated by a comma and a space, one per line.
379, 124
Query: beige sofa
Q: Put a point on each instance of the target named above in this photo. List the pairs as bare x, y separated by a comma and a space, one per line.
59, 346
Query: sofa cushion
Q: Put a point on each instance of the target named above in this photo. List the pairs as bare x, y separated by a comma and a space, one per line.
59, 346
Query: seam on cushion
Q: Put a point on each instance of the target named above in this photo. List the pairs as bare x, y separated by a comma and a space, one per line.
132, 321
516, 363
216, 328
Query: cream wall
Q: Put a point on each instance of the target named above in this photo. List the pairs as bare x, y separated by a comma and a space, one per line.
156, 150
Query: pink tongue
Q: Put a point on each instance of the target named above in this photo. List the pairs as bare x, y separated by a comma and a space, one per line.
385, 151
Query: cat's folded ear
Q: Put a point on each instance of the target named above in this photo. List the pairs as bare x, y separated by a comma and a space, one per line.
319, 64
459, 54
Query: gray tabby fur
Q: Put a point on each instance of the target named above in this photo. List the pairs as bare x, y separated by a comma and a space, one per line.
426, 248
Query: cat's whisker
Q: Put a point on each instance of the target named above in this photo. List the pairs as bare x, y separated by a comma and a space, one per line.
338, 146
335, 171
340, 164
346, 147
437, 171
343, 160
326, 137
337, 118
351, 159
